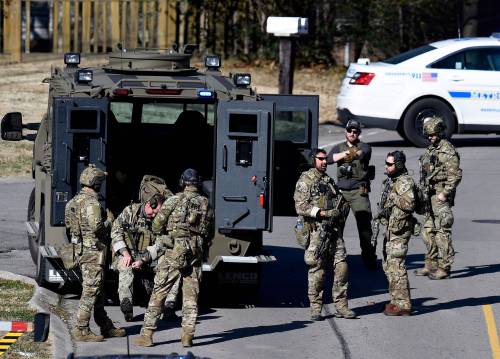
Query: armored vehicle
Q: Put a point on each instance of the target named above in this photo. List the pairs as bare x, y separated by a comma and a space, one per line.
151, 112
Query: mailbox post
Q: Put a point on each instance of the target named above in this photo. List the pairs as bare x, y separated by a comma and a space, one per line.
286, 28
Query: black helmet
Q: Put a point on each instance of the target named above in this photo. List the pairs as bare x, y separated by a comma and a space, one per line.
189, 176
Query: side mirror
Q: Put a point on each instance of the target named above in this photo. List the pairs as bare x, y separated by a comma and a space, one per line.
12, 127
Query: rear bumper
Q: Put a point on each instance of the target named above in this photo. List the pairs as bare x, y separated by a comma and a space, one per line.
238, 260
344, 115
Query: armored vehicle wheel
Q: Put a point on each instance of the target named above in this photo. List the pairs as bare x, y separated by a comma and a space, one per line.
32, 240
413, 121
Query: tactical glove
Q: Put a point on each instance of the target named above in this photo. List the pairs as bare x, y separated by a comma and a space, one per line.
351, 155
332, 213
110, 217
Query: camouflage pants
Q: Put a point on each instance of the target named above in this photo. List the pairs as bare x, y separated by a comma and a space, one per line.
92, 297
361, 207
166, 278
334, 258
395, 250
126, 282
437, 235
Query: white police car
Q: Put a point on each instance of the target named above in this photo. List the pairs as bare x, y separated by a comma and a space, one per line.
457, 79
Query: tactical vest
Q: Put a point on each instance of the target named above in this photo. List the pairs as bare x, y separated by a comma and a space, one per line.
359, 168
138, 235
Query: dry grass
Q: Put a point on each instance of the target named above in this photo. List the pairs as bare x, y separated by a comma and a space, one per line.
22, 90
14, 298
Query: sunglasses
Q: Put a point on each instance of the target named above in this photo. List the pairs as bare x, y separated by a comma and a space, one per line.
352, 130
389, 164
321, 158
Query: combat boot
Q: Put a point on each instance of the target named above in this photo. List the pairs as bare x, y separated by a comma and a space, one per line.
316, 317
145, 339
440, 273
345, 312
393, 310
186, 339
86, 335
112, 332
127, 309
425, 270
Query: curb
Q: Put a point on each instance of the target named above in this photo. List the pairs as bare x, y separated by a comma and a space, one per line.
62, 345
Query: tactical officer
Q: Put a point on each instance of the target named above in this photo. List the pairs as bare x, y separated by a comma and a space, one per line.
440, 175
131, 234
396, 215
320, 208
94, 231
353, 158
186, 219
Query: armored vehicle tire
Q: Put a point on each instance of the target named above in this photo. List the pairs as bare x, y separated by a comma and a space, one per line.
413, 120
32, 240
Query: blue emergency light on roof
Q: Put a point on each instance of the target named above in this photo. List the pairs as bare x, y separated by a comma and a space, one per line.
212, 62
206, 93
72, 58
85, 75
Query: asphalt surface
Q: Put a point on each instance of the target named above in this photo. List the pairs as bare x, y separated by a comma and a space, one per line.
453, 318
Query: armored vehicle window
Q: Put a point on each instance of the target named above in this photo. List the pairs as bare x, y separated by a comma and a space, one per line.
161, 113
84, 120
291, 126
209, 111
122, 111
239, 122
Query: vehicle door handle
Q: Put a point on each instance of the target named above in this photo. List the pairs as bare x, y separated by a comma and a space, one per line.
456, 79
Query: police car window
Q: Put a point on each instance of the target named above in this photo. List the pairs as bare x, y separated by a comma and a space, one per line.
161, 113
291, 126
409, 54
122, 111
483, 59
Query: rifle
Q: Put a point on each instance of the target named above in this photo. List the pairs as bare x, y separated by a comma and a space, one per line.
424, 197
380, 207
326, 228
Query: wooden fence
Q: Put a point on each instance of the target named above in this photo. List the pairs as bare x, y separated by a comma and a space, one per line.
89, 26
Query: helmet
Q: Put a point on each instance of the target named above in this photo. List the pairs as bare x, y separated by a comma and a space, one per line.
189, 176
353, 124
434, 125
152, 188
92, 176
399, 159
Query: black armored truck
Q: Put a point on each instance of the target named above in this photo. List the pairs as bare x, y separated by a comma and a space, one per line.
151, 112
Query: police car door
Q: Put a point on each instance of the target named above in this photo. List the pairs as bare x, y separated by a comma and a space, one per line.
295, 134
243, 177
78, 138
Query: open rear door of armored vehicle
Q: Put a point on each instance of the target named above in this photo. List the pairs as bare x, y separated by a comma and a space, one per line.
243, 179
295, 134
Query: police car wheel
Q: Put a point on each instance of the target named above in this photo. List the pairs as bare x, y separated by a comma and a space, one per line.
414, 118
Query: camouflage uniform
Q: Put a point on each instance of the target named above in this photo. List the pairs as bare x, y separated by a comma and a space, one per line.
400, 203
441, 164
94, 231
186, 218
132, 230
313, 191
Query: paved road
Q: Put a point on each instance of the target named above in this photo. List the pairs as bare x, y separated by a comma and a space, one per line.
449, 320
